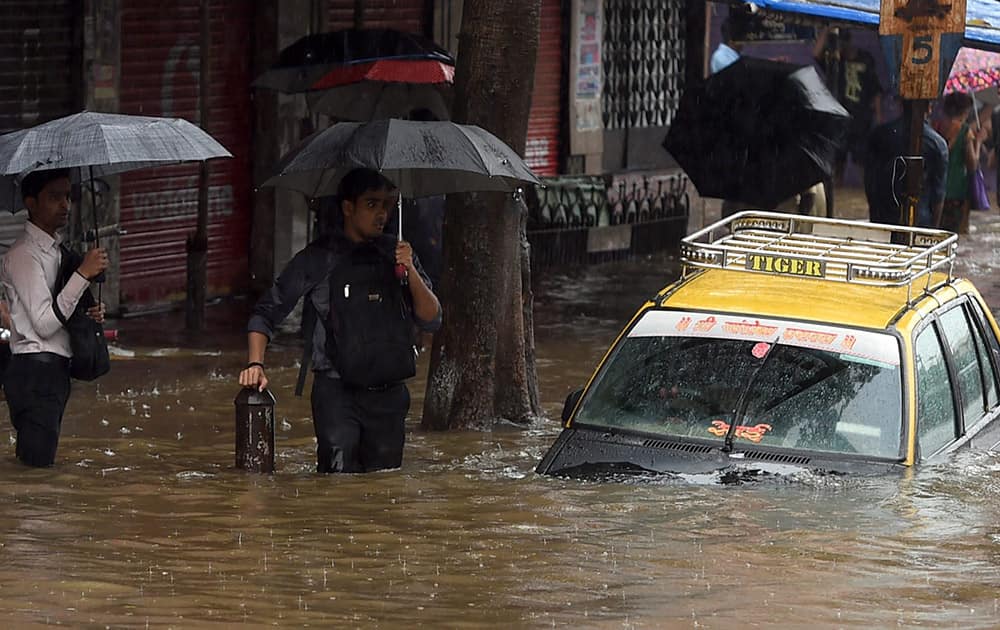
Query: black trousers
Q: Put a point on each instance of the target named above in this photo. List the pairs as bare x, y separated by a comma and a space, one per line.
358, 430
37, 388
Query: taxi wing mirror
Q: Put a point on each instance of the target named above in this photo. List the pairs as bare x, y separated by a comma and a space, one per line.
570, 404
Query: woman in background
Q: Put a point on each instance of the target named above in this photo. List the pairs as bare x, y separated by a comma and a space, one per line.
963, 157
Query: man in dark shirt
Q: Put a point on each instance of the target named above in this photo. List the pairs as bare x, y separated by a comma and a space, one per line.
885, 172
359, 427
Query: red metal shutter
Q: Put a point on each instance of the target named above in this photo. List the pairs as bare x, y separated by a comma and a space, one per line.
159, 206
542, 149
409, 16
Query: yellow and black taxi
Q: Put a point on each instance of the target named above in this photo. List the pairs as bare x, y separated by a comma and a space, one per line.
793, 343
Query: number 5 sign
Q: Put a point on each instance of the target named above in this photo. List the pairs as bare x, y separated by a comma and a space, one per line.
920, 39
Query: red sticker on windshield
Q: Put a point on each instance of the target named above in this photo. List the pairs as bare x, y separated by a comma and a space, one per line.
760, 350
755, 433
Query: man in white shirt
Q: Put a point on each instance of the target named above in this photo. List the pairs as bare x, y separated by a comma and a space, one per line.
37, 383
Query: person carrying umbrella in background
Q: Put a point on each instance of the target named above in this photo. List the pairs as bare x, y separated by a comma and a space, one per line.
364, 290
37, 383
757, 134
728, 51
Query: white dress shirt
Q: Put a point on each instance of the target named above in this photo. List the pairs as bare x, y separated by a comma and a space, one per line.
28, 272
723, 57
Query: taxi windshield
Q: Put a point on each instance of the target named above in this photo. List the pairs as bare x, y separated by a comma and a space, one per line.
785, 384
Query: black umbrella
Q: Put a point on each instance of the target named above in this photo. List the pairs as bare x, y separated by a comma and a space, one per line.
759, 131
363, 74
422, 158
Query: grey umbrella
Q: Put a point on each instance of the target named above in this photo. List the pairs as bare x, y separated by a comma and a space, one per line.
422, 158
96, 144
103, 144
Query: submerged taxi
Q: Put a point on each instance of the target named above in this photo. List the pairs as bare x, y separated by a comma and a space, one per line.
793, 343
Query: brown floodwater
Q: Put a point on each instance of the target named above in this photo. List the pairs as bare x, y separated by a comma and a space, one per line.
145, 522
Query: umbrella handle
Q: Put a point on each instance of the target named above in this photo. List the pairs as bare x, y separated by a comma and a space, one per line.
400, 269
975, 108
99, 278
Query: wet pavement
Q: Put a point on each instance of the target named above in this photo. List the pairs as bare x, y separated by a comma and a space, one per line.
145, 522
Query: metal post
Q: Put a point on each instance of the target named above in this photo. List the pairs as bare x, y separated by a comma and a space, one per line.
914, 112
197, 243
255, 430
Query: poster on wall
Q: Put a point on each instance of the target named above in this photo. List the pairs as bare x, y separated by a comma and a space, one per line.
587, 81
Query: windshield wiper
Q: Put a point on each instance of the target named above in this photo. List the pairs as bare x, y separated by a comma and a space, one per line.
741, 404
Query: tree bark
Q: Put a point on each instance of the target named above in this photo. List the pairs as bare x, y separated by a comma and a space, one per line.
482, 363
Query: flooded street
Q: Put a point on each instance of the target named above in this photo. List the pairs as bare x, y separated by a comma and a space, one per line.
144, 520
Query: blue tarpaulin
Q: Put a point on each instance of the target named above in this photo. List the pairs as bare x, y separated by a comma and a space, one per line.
982, 17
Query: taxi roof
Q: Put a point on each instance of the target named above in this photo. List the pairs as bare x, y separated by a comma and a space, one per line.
811, 268
808, 299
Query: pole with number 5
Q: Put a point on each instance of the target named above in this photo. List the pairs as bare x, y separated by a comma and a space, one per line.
921, 39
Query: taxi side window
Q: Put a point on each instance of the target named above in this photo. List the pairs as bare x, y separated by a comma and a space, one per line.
967, 361
989, 351
936, 417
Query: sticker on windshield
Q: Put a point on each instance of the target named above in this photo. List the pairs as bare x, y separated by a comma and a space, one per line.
878, 347
811, 337
759, 350
702, 325
746, 328
755, 433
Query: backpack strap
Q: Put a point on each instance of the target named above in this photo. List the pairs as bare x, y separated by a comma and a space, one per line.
310, 317
68, 262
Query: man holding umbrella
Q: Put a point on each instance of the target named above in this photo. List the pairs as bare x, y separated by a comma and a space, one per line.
366, 291
37, 382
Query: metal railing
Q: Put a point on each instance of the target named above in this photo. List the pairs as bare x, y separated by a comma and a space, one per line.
821, 248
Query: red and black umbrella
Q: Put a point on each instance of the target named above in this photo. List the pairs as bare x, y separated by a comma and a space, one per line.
364, 74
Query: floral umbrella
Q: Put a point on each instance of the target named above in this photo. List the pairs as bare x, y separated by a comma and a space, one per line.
974, 70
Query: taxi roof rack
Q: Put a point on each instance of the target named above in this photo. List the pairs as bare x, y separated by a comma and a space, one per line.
831, 249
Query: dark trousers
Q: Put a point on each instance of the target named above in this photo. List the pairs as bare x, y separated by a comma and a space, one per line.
37, 389
358, 430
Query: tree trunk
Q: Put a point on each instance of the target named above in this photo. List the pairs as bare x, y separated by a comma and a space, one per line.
482, 361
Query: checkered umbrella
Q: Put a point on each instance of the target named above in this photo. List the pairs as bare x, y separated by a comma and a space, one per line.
103, 144
110, 143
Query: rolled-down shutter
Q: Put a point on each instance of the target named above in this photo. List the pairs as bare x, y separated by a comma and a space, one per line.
409, 16
542, 148
159, 206
39, 55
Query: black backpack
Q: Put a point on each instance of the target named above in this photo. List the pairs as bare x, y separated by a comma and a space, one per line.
370, 328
